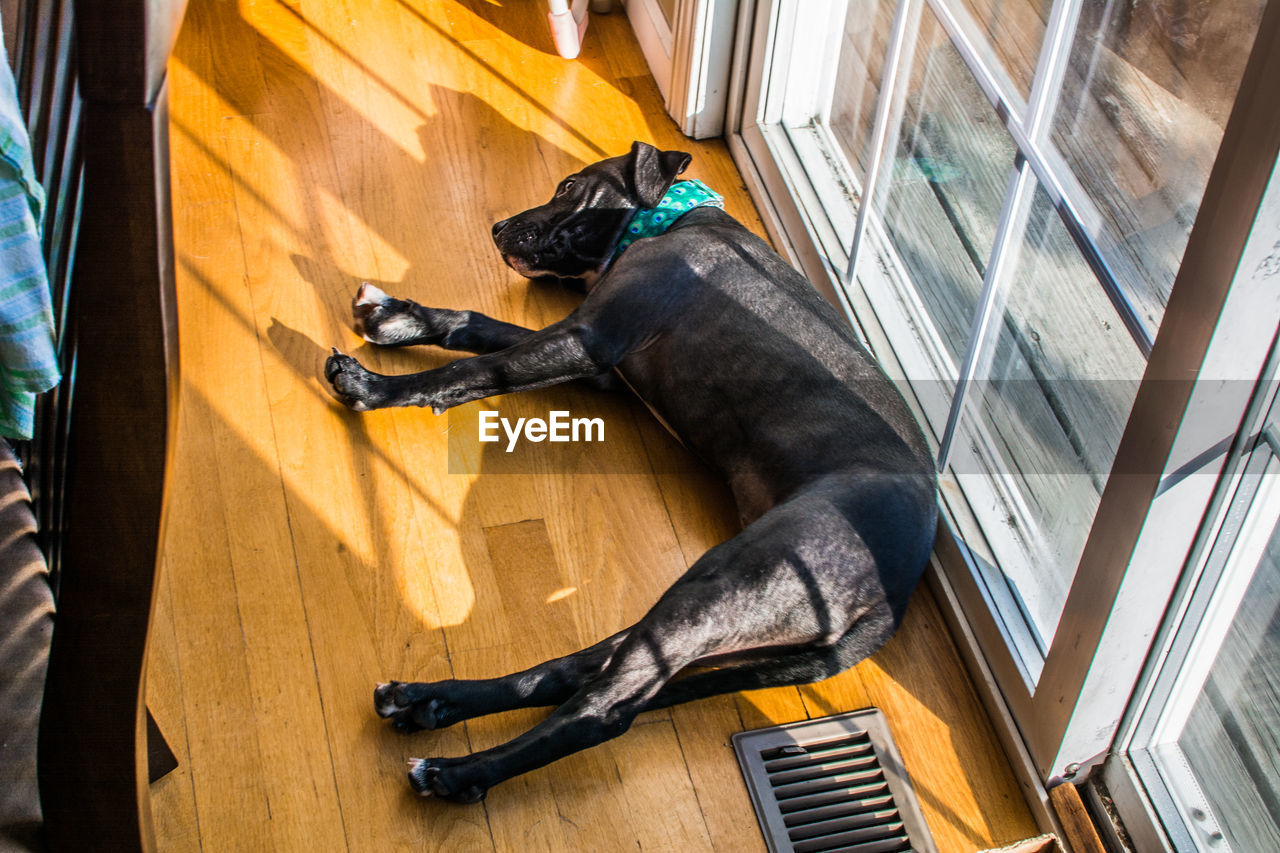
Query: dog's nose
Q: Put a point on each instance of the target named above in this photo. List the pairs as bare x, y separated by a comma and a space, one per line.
498, 226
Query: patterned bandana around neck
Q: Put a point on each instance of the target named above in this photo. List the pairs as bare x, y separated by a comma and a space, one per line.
683, 197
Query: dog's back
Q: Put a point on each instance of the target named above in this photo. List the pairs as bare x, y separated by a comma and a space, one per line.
751, 367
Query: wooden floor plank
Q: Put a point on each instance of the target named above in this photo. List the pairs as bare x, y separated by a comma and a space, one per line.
313, 551
344, 514
960, 774
216, 323
705, 729
631, 791
231, 800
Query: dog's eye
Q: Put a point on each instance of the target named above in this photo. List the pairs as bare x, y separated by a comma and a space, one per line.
564, 187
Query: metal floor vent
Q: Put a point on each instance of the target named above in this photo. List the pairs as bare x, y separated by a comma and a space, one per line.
832, 784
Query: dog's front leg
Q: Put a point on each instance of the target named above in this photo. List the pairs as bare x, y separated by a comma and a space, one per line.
386, 321
556, 354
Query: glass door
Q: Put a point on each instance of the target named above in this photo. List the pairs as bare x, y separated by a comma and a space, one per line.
1000, 195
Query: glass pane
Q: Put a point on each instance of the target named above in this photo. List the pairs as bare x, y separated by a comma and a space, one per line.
1231, 742
835, 61
943, 183
1014, 31
1044, 418
1146, 95
859, 70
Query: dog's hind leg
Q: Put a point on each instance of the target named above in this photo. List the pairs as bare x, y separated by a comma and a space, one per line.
797, 667
412, 706
602, 708
799, 578
632, 681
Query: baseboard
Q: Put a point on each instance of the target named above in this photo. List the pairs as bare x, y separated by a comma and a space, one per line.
1015, 749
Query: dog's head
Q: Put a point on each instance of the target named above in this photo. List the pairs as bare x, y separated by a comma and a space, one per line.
574, 234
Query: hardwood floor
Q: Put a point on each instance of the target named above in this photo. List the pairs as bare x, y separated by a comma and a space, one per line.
312, 551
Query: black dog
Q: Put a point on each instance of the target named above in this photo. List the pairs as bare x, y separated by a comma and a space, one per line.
755, 373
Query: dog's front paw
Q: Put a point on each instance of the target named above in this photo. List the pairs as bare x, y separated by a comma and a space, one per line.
442, 778
353, 385
413, 707
386, 321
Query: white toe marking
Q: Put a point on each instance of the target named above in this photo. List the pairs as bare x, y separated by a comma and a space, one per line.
370, 295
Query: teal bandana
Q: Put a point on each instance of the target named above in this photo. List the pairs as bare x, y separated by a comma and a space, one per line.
679, 200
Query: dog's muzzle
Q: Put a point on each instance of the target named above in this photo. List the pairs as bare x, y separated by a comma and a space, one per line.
514, 236
515, 241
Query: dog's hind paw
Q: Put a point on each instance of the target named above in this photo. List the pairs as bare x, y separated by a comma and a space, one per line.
435, 777
410, 707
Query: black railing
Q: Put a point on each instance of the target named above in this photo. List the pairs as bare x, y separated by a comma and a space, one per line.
45, 70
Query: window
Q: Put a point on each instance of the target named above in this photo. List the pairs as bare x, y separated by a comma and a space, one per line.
1000, 194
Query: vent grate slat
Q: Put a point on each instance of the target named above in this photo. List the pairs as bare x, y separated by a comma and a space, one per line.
888, 845
861, 820
840, 809
859, 743
832, 797
833, 784
818, 768
893, 833
818, 784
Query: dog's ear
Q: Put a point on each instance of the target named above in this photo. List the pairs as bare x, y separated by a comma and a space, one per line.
654, 171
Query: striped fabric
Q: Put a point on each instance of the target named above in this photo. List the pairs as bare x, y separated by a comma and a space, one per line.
28, 353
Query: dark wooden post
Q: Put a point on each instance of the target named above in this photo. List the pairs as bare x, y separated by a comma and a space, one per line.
123, 335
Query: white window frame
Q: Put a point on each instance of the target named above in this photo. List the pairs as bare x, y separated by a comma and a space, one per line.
1169, 460
689, 58
1167, 774
1250, 314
